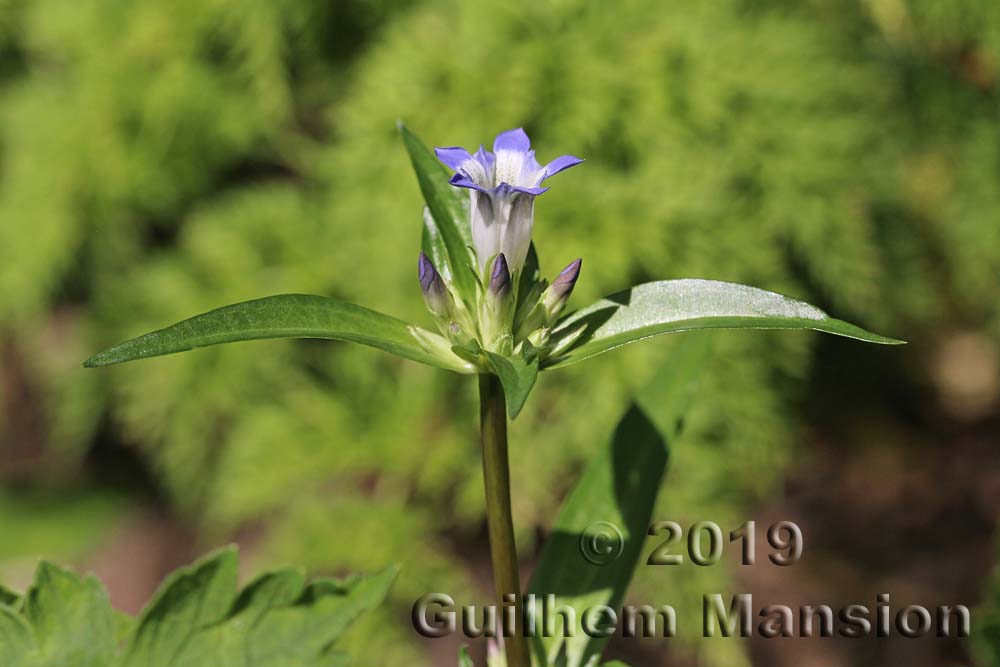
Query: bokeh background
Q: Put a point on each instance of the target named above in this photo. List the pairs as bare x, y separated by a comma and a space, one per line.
158, 159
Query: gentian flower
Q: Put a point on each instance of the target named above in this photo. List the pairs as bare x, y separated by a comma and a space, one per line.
502, 187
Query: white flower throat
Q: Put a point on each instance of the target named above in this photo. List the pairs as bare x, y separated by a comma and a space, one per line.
508, 168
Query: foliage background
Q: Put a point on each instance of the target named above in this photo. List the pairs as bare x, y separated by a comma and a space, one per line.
159, 159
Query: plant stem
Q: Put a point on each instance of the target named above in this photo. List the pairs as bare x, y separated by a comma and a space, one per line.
503, 551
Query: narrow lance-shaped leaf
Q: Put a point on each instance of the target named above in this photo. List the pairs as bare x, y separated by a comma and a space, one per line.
681, 305
283, 316
432, 244
596, 542
449, 209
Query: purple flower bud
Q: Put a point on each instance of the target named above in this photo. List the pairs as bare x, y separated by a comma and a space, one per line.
500, 277
557, 294
563, 285
435, 293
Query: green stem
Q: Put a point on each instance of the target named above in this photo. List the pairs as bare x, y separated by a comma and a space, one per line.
503, 551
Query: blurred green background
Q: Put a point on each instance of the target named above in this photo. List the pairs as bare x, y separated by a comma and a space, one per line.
158, 159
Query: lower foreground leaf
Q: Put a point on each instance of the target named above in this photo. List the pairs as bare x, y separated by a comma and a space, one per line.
197, 619
610, 508
283, 316
668, 306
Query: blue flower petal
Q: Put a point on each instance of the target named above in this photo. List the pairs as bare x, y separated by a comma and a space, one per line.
512, 140
485, 158
452, 156
527, 190
531, 171
460, 180
559, 164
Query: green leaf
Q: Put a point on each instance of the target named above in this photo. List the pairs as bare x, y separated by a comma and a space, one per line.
295, 634
463, 658
72, 618
517, 375
680, 305
8, 597
278, 621
124, 627
271, 589
190, 600
196, 619
984, 640
614, 497
282, 316
432, 243
529, 275
16, 639
449, 207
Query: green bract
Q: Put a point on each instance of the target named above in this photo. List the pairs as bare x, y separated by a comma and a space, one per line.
512, 349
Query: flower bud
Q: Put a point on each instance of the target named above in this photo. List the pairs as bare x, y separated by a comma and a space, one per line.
435, 292
557, 294
500, 282
497, 312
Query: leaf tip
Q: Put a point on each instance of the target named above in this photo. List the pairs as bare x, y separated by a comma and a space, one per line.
853, 331
94, 361
107, 357
46, 568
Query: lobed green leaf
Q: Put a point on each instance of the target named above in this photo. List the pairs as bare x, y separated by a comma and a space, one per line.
668, 306
196, 619
281, 316
71, 617
189, 601
279, 621
17, 642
